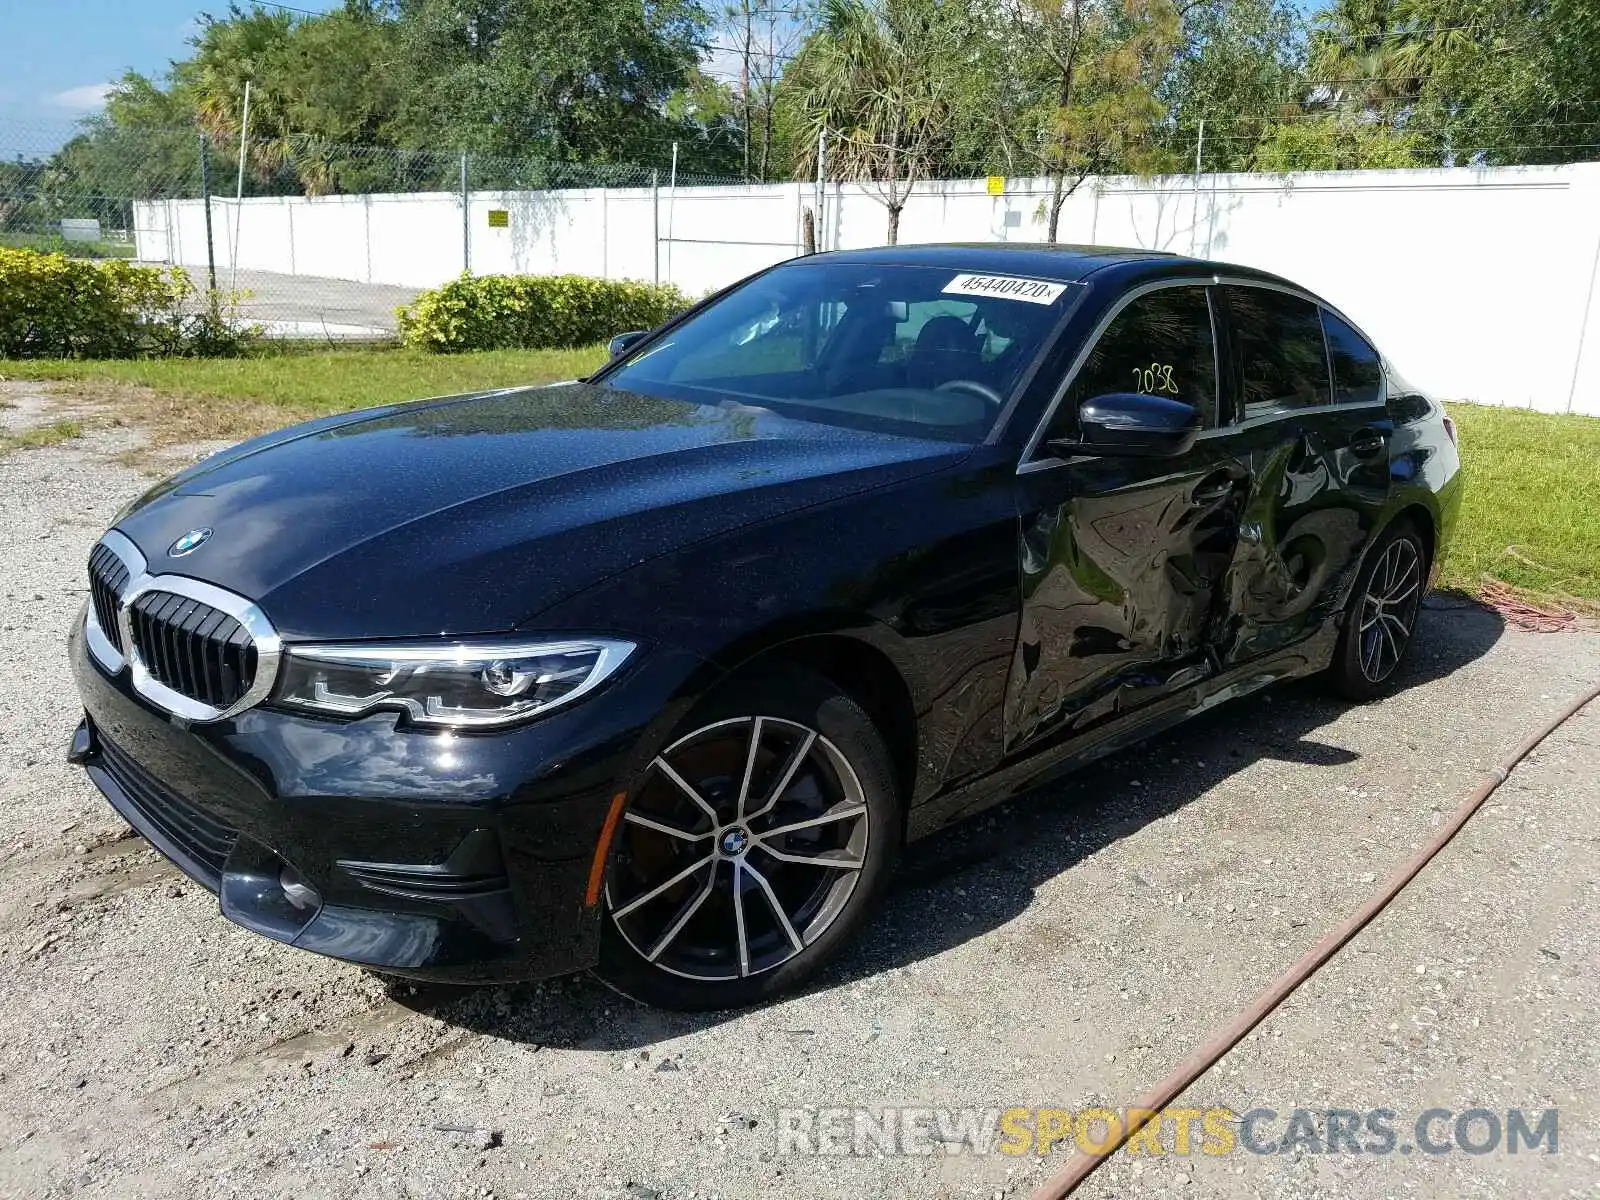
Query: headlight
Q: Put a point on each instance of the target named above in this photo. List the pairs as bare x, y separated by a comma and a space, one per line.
479, 683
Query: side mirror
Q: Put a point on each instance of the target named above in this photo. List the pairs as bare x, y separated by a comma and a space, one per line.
1133, 424
620, 343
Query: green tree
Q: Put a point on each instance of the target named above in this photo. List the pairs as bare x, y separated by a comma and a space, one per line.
1238, 66
566, 79
1084, 98
1508, 81
1480, 81
1336, 142
143, 146
385, 94
760, 37
879, 80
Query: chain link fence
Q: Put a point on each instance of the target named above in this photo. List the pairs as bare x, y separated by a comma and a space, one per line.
319, 240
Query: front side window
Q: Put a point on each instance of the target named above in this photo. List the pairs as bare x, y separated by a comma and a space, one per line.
1281, 357
1160, 344
923, 351
1357, 371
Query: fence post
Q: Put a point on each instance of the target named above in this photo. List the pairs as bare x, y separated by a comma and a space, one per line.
655, 217
1194, 217
205, 192
1583, 329
822, 187
672, 207
466, 219
238, 195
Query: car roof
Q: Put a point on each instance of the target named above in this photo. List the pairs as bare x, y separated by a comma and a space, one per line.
1066, 263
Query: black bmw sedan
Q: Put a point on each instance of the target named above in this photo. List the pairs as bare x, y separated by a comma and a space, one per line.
654, 672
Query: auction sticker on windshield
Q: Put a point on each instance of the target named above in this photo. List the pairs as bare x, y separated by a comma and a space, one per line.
1034, 291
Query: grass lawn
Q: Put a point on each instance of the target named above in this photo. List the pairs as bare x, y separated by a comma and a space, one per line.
1531, 516
54, 243
204, 399
1531, 512
315, 383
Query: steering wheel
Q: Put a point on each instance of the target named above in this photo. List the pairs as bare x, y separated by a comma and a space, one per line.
982, 390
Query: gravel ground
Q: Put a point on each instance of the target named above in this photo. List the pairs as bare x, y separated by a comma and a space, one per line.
1065, 951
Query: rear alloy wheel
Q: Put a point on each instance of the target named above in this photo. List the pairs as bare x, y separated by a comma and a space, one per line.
749, 849
1381, 616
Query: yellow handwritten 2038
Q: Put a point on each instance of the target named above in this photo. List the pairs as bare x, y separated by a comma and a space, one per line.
1157, 377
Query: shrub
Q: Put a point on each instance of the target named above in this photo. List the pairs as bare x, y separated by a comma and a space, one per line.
533, 312
53, 306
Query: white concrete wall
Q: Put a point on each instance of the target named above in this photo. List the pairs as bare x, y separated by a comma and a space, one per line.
1478, 284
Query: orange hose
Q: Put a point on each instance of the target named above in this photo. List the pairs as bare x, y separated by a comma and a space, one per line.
1079, 1167
1518, 610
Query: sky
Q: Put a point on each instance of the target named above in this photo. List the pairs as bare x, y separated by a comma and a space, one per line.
62, 54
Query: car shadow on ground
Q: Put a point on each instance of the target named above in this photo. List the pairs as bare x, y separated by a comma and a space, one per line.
971, 878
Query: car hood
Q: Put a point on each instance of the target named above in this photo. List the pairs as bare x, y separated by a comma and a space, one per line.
472, 514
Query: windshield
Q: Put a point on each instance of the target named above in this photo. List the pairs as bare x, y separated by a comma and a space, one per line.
922, 351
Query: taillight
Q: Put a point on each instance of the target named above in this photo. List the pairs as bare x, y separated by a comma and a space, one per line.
1450, 428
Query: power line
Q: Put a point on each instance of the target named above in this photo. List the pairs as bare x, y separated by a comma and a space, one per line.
1455, 151
775, 55
1405, 33
304, 12
1332, 118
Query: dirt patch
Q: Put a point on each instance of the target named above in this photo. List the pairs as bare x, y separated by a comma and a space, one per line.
166, 431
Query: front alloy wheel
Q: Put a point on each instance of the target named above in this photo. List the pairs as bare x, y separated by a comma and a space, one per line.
748, 849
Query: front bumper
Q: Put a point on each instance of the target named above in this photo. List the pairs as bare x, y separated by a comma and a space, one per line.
456, 857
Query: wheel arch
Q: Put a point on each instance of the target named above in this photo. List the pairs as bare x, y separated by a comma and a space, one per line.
1426, 523
1415, 507
856, 657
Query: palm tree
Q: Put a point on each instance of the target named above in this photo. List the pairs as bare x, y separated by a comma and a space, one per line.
876, 81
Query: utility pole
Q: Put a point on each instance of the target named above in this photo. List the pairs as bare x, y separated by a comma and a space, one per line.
238, 189
655, 218
1194, 221
744, 86
205, 191
466, 219
822, 193
672, 205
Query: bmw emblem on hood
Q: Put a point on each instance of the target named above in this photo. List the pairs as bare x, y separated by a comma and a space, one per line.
188, 543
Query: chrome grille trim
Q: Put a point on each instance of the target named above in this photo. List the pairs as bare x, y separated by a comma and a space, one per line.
108, 578
107, 653
268, 646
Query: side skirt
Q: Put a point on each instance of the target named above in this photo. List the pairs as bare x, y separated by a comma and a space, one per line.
1042, 764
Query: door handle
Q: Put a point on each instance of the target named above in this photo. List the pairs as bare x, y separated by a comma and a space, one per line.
1213, 489
1368, 443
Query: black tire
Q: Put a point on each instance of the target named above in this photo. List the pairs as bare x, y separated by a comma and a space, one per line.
1380, 618
782, 903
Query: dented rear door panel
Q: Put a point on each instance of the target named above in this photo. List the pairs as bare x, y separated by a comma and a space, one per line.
1124, 569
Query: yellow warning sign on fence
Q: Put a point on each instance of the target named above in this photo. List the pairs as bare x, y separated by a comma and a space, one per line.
997, 185
499, 218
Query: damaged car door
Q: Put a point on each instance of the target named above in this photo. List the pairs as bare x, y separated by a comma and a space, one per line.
1125, 556
1311, 425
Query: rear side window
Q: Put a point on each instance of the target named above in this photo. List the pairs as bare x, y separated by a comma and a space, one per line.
1357, 374
1160, 344
1281, 358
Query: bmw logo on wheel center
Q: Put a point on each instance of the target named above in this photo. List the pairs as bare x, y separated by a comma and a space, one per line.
188, 543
